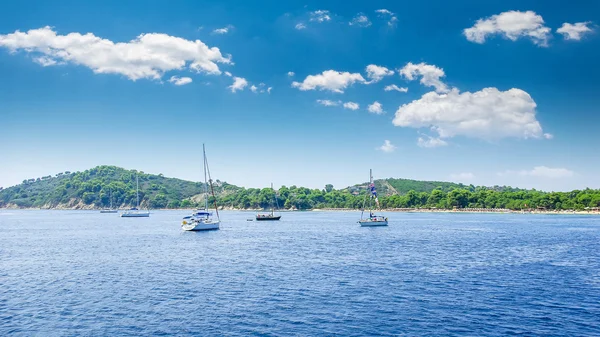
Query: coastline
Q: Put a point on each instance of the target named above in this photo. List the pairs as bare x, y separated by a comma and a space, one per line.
392, 210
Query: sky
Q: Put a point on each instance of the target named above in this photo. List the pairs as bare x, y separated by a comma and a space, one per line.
304, 93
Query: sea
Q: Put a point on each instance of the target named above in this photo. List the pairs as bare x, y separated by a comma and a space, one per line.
83, 273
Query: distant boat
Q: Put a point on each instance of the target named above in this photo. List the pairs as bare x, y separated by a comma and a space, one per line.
134, 212
373, 220
109, 210
269, 216
201, 220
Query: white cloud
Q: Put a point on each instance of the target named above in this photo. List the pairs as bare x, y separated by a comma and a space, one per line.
329, 80
395, 87
46, 61
147, 56
388, 14
239, 83
430, 75
376, 108
485, 114
351, 106
300, 26
430, 142
376, 73
291, 74
269, 90
384, 11
548, 135
542, 172
360, 20
180, 80
462, 177
224, 30
320, 16
387, 146
327, 102
227, 74
254, 88
574, 31
512, 25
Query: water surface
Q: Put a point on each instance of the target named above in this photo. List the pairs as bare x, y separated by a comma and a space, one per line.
312, 273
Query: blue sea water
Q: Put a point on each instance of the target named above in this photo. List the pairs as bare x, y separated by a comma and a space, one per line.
73, 273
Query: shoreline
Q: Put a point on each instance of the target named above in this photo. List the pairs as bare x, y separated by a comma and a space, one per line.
389, 210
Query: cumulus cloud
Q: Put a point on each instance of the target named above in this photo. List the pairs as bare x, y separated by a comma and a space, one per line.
224, 30
329, 80
180, 80
291, 74
228, 74
300, 26
147, 56
351, 106
574, 31
327, 102
430, 142
46, 61
512, 25
390, 16
542, 172
462, 177
430, 75
376, 108
360, 20
392, 87
320, 16
376, 73
387, 146
260, 89
239, 84
486, 114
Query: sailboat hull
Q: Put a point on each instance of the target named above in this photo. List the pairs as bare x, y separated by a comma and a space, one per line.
371, 223
268, 218
200, 226
109, 211
135, 215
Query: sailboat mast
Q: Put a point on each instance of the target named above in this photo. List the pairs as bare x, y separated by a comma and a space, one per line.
273, 205
371, 196
205, 180
212, 190
137, 190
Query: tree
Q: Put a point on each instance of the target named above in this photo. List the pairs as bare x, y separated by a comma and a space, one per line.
328, 188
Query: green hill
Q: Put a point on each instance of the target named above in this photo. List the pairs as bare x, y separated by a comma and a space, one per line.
392, 186
93, 189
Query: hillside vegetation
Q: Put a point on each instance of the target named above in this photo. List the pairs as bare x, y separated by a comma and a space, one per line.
96, 187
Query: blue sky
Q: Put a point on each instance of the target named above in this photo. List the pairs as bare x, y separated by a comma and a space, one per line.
497, 92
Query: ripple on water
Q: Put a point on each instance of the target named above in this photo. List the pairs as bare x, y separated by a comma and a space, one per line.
313, 273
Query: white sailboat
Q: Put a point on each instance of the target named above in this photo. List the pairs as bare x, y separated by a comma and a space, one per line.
201, 220
135, 212
111, 209
373, 220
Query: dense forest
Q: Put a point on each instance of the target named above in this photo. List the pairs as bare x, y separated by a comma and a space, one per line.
97, 187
